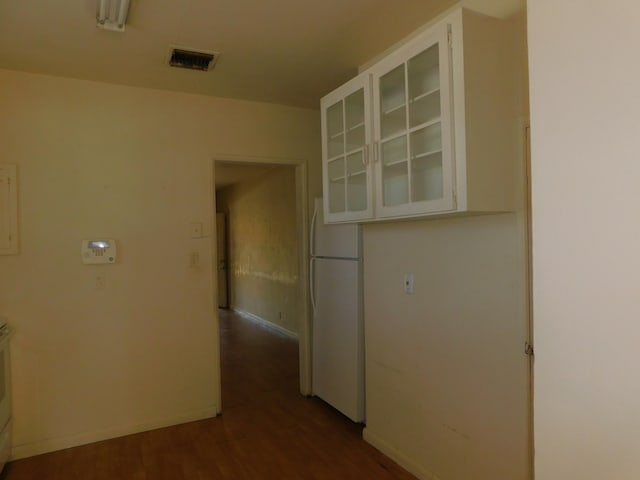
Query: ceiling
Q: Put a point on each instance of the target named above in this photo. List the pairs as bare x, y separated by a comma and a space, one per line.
277, 51
290, 52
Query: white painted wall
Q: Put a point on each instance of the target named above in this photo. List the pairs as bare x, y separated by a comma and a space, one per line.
446, 373
447, 378
136, 165
585, 101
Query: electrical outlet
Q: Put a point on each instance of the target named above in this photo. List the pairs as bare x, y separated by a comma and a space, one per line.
101, 281
408, 283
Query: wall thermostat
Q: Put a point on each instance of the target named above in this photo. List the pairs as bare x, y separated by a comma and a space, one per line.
99, 251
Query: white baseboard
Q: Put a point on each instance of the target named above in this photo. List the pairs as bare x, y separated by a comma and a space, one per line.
267, 323
60, 443
397, 456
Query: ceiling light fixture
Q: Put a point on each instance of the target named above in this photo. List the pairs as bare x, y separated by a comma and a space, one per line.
112, 14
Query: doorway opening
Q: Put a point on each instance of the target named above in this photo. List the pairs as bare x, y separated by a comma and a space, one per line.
261, 249
222, 259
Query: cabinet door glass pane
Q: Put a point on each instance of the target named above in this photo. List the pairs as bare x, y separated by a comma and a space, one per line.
336, 175
395, 185
354, 116
394, 151
424, 87
335, 130
425, 110
426, 163
426, 140
393, 102
355, 138
395, 172
356, 182
426, 178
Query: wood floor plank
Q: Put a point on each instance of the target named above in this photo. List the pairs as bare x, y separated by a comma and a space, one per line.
267, 430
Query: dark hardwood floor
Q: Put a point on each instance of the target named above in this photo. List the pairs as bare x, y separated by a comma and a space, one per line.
267, 430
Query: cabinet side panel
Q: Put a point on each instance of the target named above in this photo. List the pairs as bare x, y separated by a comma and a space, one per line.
490, 121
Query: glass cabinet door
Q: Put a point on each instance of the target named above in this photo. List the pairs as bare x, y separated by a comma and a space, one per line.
346, 138
412, 116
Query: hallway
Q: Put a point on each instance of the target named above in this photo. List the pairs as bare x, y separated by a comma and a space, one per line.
267, 430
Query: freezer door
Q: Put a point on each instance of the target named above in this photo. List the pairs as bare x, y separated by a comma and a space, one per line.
339, 241
338, 343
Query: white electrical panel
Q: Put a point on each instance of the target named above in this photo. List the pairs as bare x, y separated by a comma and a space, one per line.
99, 251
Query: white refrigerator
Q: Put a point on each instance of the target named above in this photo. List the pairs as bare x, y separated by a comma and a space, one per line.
338, 327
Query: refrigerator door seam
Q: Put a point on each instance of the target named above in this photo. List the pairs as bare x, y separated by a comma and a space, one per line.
312, 285
312, 239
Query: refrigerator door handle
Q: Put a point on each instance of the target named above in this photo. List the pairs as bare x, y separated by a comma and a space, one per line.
312, 285
312, 239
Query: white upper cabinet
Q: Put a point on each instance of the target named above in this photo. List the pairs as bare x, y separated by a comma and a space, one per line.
441, 133
346, 140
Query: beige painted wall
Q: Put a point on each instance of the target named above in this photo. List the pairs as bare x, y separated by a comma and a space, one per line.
263, 248
136, 165
447, 378
585, 172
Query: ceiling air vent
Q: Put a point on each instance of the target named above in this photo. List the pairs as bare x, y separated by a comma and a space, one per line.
192, 59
